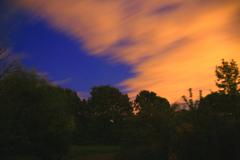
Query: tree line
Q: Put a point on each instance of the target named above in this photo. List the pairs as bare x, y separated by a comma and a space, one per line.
43, 120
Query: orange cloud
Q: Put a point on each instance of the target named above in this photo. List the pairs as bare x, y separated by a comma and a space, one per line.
171, 44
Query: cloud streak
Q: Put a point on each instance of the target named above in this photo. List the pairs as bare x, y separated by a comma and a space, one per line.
171, 44
62, 81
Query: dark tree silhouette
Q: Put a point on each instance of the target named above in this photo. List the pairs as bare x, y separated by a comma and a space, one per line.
148, 132
109, 108
190, 103
8, 64
228, 77
148, 103
110, 102
36, 118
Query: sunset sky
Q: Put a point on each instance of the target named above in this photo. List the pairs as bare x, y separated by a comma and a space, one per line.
165, 46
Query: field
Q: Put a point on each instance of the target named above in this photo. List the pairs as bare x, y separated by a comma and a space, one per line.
80, 152
92, 152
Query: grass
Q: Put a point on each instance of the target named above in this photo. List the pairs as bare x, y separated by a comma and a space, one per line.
82, 152
92, 152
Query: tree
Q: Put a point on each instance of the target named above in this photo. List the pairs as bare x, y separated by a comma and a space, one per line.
148, 103
36, 117
109, 109
83, 114
8, 64
227, 100
110, 102
190, 103
153, 127
228, 77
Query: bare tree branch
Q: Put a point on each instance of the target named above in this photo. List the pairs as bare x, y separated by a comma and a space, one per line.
7, 63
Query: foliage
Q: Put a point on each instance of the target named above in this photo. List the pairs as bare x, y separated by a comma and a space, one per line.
228, 77
147, 134
109, 109
36, 117
109, 102
148, 103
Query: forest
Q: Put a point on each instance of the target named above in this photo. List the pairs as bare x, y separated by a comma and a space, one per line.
43, 121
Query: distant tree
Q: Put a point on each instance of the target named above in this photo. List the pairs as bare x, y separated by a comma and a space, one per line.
228, 77
109, 108
148, 103
190, 102
110, 102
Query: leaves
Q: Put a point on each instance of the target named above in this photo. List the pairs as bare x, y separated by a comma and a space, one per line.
228, 77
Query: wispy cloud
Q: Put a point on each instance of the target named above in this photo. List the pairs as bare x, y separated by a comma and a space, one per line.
171, 44
62, 81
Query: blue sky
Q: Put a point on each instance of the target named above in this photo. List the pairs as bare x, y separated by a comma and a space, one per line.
61, 58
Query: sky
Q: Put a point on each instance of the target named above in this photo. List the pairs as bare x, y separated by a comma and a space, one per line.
165, 46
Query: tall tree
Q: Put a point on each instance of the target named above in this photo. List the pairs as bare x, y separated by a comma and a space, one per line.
228, 77
109, 108
110, 102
